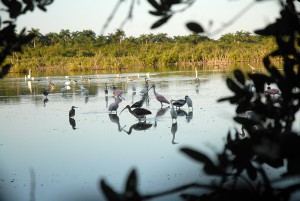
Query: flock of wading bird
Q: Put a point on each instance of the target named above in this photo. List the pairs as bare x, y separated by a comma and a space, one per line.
136, 109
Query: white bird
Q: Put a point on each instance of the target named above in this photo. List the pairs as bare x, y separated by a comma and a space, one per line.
196, 74
145, 90
68, 82
189, 102
84, 91
29, 77
173, 112
64, 89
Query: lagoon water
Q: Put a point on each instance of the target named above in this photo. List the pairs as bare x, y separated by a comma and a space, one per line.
44, 159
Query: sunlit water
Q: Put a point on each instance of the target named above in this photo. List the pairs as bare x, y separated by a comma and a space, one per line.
39, 145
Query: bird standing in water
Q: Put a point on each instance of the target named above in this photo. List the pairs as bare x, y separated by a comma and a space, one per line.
189, 102
139, 113
115, 105
45, 92
173, 112
180, 102
159, 97
72, 112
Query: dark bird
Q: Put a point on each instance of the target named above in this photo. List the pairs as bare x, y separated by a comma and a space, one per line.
45, 92
141, 126
180, 102
139, 103
159, 97
72, 111
139, 113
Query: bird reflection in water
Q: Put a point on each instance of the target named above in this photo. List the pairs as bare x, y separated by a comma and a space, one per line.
72, 123
140, 126
174, 128
181, 113
45, 101
106, 101
197, 86
189, 116
115, 119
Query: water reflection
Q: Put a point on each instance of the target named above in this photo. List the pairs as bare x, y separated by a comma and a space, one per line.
140, 126
189, 116
115, 119
45, 101
174, 128
72, 123
197, 84
181, 112
161, 112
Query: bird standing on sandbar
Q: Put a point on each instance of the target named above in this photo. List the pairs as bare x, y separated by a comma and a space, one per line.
72, 112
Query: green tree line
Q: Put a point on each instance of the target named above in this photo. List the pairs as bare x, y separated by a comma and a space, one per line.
82, 51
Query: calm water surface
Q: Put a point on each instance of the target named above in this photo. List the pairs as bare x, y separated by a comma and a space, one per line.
39, 144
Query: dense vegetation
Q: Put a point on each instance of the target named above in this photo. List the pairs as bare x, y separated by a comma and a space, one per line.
82, 51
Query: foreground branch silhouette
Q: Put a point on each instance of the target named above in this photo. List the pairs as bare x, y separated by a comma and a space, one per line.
270, 138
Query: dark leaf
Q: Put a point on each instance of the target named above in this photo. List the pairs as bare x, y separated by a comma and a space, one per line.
259, 81
5, 70
231, 99
195, 27
196, 155
131, 182
160, 21
245, 121
27, 38
209, 166
233, 86
242, 107
239, 76
42, 7
109, 193
251, 172
155, 4
157, 13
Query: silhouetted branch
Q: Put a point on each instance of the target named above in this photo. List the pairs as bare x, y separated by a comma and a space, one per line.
178, 189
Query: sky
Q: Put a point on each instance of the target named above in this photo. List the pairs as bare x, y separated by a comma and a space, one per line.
79, 15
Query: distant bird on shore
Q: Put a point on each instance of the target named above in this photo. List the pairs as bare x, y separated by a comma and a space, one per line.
72, 112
